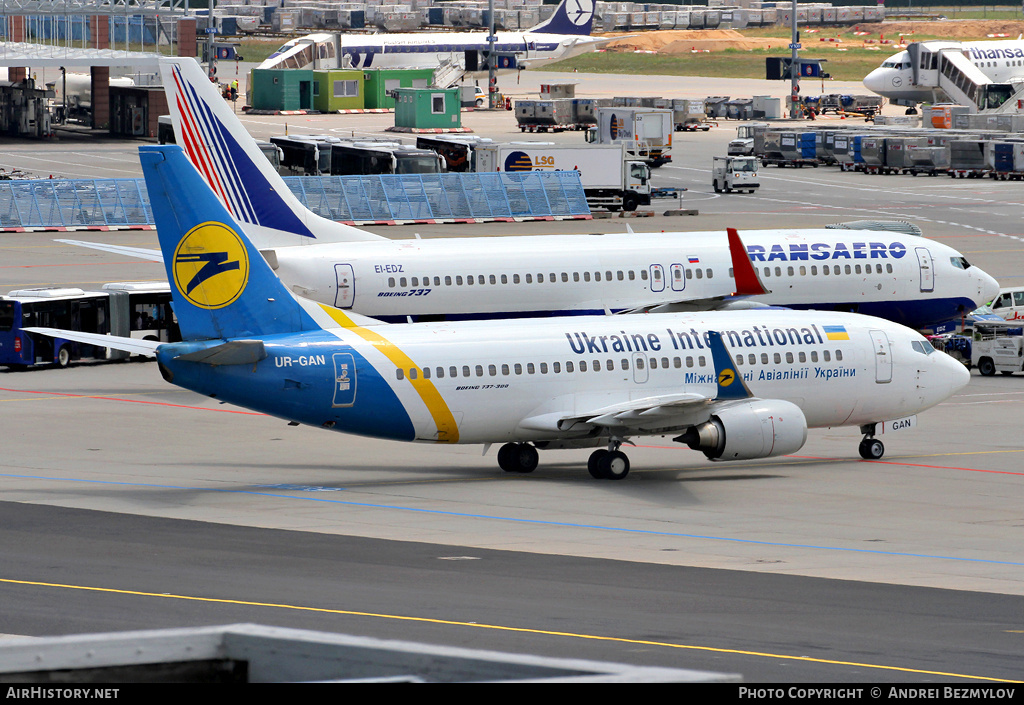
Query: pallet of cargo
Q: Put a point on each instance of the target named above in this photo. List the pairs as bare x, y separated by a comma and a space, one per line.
796, 163
968, 173
548, 127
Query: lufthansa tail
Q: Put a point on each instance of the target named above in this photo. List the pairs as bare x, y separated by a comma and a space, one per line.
221, 285
233, 166
570, 17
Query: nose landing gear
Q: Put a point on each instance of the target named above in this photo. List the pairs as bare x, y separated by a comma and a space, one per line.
870, 447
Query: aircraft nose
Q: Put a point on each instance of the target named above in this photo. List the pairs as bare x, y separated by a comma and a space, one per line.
875, 80
988, 287
955, 372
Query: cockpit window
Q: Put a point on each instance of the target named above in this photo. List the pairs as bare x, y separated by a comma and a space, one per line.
923, 347
960, 262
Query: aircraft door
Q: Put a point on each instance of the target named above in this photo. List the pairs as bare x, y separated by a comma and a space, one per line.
657, 277
346, 292
344, 380
640, 368
678, 273
924, 262
883, 356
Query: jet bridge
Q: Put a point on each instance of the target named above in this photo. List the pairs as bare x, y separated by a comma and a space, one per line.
945, 66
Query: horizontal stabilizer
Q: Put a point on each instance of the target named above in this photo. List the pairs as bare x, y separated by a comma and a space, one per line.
136, 252
235, 352
135, 346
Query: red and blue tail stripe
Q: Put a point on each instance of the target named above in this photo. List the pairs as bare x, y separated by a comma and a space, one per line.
225, 165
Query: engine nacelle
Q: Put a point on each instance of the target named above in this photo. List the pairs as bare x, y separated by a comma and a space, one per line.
754, 428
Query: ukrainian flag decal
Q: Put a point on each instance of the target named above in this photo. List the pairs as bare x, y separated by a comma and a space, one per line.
836, 332
211, 266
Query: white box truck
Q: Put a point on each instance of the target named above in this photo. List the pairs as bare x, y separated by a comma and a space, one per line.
645, 132
610, 178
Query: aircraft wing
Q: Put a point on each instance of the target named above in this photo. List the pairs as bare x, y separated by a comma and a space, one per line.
137, 252
135, 346
660, 412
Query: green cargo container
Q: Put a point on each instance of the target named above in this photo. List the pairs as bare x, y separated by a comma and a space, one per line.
282, 89
428, 108
379, 81
337, 89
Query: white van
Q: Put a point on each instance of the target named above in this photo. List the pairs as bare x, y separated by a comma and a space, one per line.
1009, 304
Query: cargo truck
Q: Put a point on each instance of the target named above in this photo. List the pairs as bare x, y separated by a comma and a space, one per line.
646, 133
610, 178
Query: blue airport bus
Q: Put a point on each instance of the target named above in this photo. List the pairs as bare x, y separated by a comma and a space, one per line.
130, 309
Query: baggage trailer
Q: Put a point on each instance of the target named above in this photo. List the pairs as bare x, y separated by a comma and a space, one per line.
646, 133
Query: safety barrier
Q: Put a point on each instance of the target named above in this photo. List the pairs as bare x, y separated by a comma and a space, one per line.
385, 198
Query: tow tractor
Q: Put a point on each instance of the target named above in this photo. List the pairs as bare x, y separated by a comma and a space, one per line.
998, 347
735, 174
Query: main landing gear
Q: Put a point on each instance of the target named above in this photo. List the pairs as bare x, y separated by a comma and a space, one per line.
870, 448
518, 457
610, 464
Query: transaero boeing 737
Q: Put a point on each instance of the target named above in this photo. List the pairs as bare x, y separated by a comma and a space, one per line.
565, 34
735, 385
903, 278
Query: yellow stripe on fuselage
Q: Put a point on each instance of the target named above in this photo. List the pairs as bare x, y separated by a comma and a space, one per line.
447, 429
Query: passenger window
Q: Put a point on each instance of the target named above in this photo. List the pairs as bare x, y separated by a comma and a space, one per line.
569, 367
519, 369
440, 372
426, 373
556, 367
504, 370
777, 357
609, 365
453, 371
504, 279
529, 279
465, 370
458, 280
530, 369
415, 281
654, 363
399, 374
492, 370
583, 365
814, 355
597, 365
565, 276
493, 280
826, 356
469, 280
391, 282
764, 358
412, 373
624, 363
543, 368
447, 281
586, 276
515, 278
402, 282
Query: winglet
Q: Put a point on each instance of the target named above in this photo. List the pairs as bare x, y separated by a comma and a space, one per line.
748, 283
730, 381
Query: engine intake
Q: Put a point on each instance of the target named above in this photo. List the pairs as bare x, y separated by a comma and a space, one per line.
754, 428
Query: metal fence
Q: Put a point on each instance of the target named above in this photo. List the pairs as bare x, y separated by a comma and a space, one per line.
92, 202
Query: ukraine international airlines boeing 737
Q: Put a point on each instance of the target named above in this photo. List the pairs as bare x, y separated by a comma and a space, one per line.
734, 385
903, 278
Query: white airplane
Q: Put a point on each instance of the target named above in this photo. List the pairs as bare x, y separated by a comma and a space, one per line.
904, 278
563, 35
734, 385
898, 79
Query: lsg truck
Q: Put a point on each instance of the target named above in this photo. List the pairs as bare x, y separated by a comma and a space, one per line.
610, 178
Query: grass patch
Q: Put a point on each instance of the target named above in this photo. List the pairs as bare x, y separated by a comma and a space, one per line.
851, 65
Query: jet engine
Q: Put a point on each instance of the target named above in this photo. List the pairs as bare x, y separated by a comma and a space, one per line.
754, 428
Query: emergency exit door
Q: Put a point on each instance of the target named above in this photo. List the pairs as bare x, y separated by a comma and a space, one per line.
346, 292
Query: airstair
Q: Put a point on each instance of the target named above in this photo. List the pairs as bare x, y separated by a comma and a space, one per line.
944, 65
450, 71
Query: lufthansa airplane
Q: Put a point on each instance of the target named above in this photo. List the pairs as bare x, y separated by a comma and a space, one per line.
1001, 61
904, 278
563, 35
734, 385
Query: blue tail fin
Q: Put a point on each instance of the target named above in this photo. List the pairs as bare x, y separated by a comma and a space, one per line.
570, 17
221, 285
